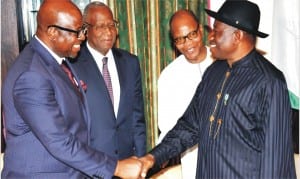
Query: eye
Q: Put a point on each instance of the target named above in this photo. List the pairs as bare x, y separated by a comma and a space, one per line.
192, 34
113, 25
179, 40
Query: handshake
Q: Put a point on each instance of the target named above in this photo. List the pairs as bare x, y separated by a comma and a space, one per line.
133, 167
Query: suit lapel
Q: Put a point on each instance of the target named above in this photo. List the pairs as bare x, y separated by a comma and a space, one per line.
89, 62
84, 98
56, 69
92, 76
49, 61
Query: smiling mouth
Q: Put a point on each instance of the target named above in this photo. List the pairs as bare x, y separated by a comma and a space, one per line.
212, 44
190, 50
76, 47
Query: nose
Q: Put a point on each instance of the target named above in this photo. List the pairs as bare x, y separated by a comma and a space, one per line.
107, 30
187, 41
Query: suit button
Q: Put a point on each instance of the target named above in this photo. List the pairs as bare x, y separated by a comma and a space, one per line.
116, 151
117, 128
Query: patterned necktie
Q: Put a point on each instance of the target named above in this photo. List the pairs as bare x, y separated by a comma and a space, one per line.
107, 79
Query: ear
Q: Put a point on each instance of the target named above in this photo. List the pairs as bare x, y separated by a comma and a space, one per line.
52, 33
200, 29
117, 30
238, 35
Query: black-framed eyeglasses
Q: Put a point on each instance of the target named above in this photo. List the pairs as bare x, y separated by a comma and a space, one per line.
192, 35
79, 33
111, 25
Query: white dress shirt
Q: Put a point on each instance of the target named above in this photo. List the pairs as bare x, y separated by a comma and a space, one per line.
56, 57
177, 84
112, 72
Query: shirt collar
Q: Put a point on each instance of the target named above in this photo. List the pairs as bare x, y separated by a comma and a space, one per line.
98, 55
54, 55
244, 61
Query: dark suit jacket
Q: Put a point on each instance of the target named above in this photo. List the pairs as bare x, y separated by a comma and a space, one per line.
46, 122
126, 135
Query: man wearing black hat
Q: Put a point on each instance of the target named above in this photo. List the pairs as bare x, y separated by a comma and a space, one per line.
240, 115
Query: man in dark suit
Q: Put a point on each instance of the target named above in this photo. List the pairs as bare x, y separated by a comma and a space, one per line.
117, 111
46, 121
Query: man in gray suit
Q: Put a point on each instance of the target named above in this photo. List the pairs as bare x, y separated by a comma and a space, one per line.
46, 121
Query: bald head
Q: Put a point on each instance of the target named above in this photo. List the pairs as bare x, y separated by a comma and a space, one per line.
93, 9
59, 23
102, 31
187, 35
182, 17
56, 12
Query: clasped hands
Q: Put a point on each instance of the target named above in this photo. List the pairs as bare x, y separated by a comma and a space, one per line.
133, 167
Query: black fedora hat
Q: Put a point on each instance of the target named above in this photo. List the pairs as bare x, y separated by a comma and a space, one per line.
241, 14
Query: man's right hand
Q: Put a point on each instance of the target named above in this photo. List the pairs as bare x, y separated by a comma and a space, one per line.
148, 161
129, 168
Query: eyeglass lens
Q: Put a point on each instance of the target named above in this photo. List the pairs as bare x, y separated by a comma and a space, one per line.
190, 36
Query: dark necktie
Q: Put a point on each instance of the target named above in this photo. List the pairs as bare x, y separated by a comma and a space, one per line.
66, 69
107, 79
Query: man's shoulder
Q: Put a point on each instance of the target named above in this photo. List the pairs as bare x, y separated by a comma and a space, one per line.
267, 68
122, 52
178, 61
173, 68
27, 59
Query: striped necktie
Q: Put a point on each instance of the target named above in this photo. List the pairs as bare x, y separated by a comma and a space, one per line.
107, 79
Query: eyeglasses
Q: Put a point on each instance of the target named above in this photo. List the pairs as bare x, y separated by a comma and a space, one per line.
79, 33
111, 26
181, 40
